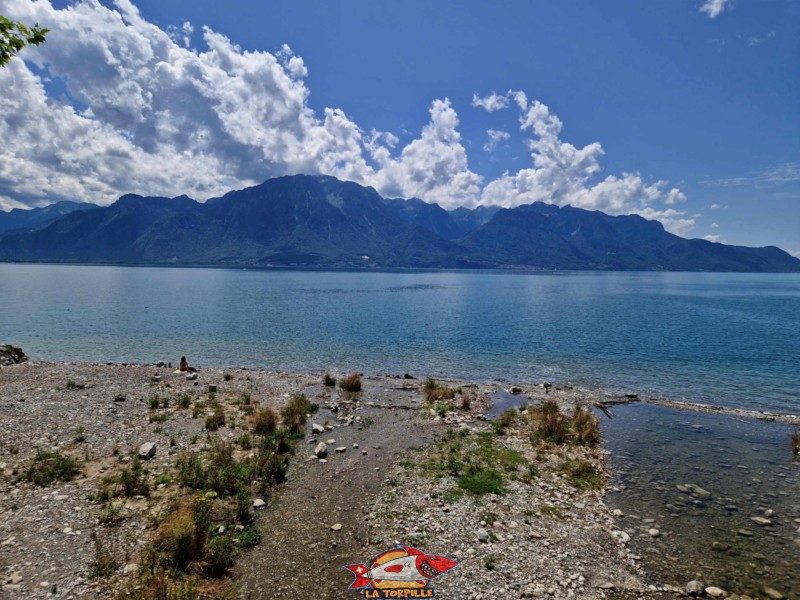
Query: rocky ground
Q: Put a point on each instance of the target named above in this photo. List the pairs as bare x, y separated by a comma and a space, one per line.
381, 483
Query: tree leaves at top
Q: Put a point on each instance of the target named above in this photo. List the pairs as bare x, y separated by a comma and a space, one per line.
15, 36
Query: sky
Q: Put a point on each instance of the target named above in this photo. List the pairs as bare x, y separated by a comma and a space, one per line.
685, 111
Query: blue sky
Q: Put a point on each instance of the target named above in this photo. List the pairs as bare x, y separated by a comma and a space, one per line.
707, 106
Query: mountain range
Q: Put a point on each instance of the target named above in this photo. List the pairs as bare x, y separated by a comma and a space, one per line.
319, 221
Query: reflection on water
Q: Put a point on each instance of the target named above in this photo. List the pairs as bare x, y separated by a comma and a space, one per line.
700, 480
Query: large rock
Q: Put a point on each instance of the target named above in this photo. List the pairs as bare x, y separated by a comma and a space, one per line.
147, 450
321, 451
695, 588
11, 355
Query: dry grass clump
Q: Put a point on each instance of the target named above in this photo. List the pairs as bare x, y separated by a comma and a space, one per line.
795, 439
549, 424
265, 421
216, 420
329, 380
436, 393
351, 383
294, 414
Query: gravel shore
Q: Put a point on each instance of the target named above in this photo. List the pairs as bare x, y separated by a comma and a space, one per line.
542, 537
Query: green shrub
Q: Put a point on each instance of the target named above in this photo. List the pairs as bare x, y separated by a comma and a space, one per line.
133, 480
154, 402
219, 555
243, 512
351, 383
184, 401
216, 420
48, 467
480, 481
249, 537
227, 376
104, 564
294, 413
582, 474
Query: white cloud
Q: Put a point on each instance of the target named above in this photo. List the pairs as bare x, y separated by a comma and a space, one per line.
490, 103
774, 175
795, 253
715, 206
753, 41
714, 225
712, 238
496, 137
155, 116
713, 8
563, 174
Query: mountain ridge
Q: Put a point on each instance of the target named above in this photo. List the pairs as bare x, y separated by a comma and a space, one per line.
319, 221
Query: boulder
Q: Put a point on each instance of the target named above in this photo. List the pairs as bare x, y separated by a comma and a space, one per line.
695, 588
147, 451
321, 450
11, 355
716, 592
259, 504
315, 428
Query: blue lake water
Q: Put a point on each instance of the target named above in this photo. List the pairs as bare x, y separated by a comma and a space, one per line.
730, 339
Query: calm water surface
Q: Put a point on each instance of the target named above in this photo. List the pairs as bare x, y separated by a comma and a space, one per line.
731, 339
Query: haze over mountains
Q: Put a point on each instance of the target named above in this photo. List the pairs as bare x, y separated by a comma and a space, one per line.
320, 221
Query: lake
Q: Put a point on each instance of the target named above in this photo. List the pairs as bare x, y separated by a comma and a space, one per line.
728, 339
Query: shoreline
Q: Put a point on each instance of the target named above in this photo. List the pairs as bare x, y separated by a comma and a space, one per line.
45, 403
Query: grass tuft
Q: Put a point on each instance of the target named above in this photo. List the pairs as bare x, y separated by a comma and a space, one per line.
329, 380
351, 383
265, 421
48, 467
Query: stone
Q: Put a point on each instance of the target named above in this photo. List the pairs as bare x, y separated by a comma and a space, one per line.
316, 428
147, 451
14, 578
330, 442
773, 593
483, 535
761, 521
258, 504
716, 592
191, 377
321, 450
695, 588
336, 527
130, 568
654, 533
745, 533
622, 536
341, 449
11, 355
355, 446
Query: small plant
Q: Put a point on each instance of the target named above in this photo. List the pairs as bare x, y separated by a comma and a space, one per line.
249, 537
158, 418
133, 480
466, 402
582, 474
227, 376
490, 562
479, 481
294, 413
184, 401
154, 402
351, 383
71, 385
795, 439
165, 402
586, 428
162, 479
119, 398
194, 438
104, 564
246, 399
243, 500
48, 467
549, 423
434, 392
265, 421
111, 514
216, 420
329, 380
504, 421
80, 434
245, 441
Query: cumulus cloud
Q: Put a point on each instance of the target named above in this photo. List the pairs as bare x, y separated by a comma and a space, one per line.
713, 8
495, 138
490, 103
147, 113
563, 174
714, 225
712, 238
